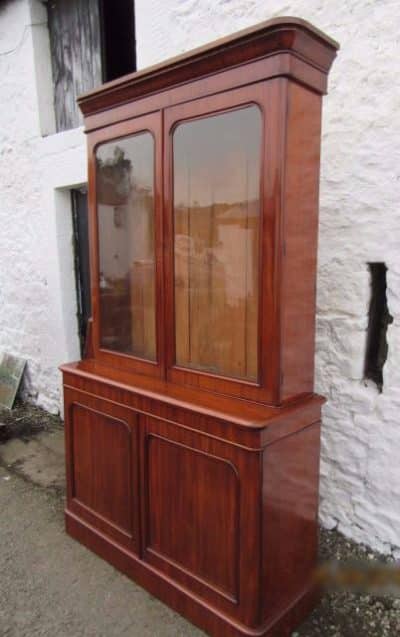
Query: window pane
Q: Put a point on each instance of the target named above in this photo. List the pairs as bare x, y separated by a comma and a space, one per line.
216, 242
125, 206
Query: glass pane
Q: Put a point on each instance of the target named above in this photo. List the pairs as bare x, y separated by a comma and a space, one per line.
125, 208
216, 242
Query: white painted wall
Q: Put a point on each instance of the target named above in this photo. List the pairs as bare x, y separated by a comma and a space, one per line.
37, 295
360, 222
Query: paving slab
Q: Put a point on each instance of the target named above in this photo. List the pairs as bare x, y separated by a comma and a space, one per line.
51, 586
40, 460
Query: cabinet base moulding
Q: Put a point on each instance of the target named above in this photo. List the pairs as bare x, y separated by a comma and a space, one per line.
182, 600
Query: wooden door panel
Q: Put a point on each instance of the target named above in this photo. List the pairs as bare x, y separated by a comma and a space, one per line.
196, 511
101, 477
202, 495
102, 459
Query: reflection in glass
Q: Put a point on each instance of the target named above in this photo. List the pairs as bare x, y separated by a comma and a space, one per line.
216, 242
125, 208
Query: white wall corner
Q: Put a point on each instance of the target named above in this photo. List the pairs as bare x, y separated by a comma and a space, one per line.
42, 67
63, 167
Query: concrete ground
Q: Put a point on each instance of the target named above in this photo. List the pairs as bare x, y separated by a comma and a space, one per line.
51, 586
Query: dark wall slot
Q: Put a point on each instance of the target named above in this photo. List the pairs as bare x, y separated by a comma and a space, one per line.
81, 257
378, 320
118, 38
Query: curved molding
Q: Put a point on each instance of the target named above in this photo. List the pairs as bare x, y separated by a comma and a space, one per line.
279, 35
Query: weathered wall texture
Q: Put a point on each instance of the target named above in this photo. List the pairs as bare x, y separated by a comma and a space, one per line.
24, 299
360, 223
36, 273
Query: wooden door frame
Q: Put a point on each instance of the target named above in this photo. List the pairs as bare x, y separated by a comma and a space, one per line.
264, 95
147, 123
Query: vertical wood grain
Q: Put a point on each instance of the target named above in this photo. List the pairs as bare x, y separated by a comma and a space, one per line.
300, 235
74, 29
290, 526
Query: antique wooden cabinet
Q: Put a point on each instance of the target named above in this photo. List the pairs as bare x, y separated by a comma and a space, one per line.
192, 429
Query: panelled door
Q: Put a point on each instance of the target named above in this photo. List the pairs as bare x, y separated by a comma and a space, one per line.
200, 513
102, 466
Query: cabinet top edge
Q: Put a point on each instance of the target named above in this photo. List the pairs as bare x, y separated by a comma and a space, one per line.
250, 415
282, 34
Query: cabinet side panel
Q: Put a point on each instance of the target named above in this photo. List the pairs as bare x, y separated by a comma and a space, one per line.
290, 528
300, 236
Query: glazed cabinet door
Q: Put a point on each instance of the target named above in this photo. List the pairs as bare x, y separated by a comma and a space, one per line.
126, 239
200, 522
102, 466
220, 226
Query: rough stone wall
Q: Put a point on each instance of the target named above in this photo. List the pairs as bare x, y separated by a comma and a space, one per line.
359, 223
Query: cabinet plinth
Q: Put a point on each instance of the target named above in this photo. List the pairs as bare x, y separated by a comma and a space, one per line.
192, 429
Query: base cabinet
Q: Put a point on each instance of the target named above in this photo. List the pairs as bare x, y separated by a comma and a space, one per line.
224, 532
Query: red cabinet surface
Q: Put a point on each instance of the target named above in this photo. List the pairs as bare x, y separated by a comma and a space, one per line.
192, 429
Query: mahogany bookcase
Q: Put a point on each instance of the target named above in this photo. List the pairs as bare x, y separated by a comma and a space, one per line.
192, 429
